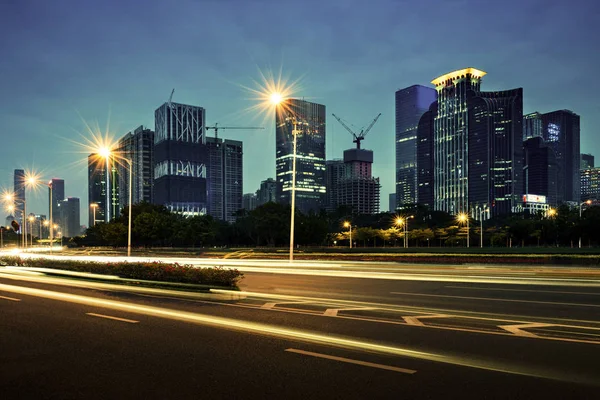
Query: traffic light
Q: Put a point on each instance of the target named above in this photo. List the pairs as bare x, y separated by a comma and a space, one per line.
15, 225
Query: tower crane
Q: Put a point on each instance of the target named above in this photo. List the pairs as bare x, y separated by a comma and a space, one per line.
217, 127
358, 137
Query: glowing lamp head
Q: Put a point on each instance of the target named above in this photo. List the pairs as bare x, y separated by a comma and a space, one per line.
462, 217
346, 224
8, 197
275, 98
399, 221
104, 152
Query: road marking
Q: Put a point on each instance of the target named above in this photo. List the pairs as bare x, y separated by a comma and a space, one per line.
268, 306
131, 321
9, 298
350, 361
493, 299
522, 290
518, 329
414, 320
333, 312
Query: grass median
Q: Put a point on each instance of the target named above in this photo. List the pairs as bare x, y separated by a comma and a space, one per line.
153, 273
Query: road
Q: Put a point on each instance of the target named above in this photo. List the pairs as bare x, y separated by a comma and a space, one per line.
307, 336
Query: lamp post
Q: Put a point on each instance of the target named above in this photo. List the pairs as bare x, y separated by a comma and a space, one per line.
94, 206
588, 202
276, 99
31, 218
349, 226
464, 217
481, 211
107, 153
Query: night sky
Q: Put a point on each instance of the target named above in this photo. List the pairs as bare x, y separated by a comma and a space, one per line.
65, 62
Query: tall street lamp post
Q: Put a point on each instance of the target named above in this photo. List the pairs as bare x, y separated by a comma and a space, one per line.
464, 217
588, 202
482, 210
349, 226
107, 153
276, 99
94, 206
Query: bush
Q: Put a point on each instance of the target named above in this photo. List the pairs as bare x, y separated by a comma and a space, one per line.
150, 271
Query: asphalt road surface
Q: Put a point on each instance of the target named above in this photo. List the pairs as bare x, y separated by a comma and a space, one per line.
306, 336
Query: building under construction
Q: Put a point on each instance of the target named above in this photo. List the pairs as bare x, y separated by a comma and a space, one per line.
350, 182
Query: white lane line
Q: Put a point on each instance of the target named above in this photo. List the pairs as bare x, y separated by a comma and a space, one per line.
269, 306
9, 298
493, 299
518, 329
414, 320
131, 321
350, 361
522, 290
333, 312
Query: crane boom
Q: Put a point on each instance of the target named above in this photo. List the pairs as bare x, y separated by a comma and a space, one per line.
370, 126
358, 137
344, 125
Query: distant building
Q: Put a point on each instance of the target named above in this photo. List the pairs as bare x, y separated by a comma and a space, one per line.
56, 193
425, 158
560, 130
267, 193
225, 178
69, 212
100, 187
19, 194
180, 158
310, 159
590, 184
334, 174
477, 146
392, 202
411, 103
249, 201
352, 183
532, 125
138, 147
540, 170
8, 220
587, 161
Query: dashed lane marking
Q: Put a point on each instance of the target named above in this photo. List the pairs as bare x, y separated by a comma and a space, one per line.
131, 321
351, 361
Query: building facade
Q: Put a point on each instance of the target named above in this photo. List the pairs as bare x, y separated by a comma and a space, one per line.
310, 154
224, 178
561, 132
69, 214
411, 103
334, 174
19, 202
590, 184
138, 147
267, 192
249, 201
587, 161
180, 158
540, 172
532, 125
103, 189
56, 193
476, 147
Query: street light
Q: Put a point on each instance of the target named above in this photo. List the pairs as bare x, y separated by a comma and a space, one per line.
106, 153
31, 219
276, 99
404, 223
349, 226
94, 206
462, 218
481, 211
588, 202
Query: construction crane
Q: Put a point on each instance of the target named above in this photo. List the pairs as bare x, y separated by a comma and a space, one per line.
358, 137
217, 127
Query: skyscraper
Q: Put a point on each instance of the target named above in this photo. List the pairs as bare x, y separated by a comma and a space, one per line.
411, 103
180, 158
55, 194
560, 130
335, 172
310, 154
587, 161
540, 170
477, 145
19, 194
249, 201
532, 125
68, 212
590, 184
225, 178
267, 192
103, 188
425, 157
137, 146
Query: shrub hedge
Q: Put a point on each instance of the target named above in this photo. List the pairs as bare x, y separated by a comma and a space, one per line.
149, 271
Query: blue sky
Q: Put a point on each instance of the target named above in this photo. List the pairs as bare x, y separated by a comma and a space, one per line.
68, 61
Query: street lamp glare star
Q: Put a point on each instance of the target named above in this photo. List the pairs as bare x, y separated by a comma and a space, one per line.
276, 98
104, 152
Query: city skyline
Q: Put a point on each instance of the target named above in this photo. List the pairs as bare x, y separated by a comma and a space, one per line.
56, 80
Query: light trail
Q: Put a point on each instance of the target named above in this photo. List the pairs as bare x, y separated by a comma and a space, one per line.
295, 334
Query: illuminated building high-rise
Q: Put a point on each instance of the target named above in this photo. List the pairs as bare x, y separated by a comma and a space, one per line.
411, 103
225, 178
103, 188
137, 146
180, 157
477, 145
560, 130
532, 125
267, 193
19, 194
310, 154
